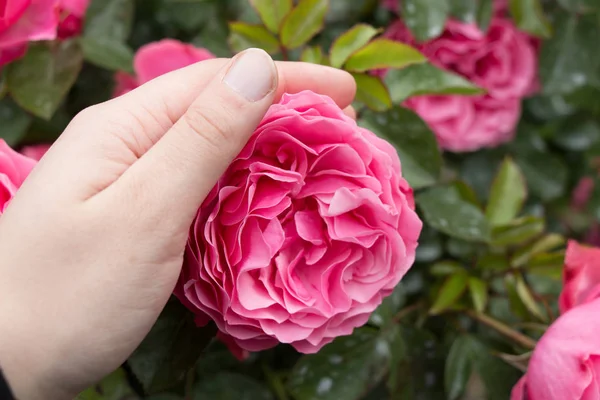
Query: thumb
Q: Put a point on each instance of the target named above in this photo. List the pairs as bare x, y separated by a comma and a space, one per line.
178, 172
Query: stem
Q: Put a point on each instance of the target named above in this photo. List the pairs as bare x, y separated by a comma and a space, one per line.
189, 383
284, 53
405, 311
503, 329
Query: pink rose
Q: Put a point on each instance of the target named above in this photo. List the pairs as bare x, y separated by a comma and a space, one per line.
35, 152
582, 193
581, 276
565, 364
305, 233
468, 123
14, 168
22, 21
72, 15
502, 61
158, 58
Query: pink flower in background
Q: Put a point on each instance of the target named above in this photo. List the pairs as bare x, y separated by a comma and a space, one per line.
22, 21
503, 61
72, 16
305, 233
565, 364
35, 152
14, 168
158, 58
581, 278
468, 123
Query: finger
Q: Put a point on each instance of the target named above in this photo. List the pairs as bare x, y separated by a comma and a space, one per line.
105, 140
188, 160
350, 112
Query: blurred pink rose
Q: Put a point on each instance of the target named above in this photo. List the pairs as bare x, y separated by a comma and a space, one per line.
304, 235
565, 364
158, 58
503, 61
35, 152
581, 279
468, 123
72, 16
14, 168
582, 193
22, 21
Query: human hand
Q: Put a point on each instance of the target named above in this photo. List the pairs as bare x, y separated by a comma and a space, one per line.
92, 244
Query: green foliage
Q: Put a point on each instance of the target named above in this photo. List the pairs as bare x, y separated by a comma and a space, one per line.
490, 257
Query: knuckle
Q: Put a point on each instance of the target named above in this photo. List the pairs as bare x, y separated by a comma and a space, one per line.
209, 125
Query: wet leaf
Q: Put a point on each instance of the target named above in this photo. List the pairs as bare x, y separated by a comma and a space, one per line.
425, 18
371, 91
507, 195
450, 292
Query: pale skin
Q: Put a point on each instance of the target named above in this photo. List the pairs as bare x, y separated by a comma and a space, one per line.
93, 243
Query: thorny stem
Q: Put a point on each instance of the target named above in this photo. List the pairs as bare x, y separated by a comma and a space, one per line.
503, 329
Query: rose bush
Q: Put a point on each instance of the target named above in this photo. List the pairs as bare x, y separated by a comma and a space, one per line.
502, 61
317, 227
492, 109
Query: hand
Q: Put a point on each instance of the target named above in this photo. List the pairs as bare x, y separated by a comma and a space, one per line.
92, 245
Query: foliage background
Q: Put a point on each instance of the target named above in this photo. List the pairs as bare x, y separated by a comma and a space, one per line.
484, 287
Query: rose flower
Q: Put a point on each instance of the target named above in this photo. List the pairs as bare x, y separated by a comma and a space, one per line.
14, 168
305, 233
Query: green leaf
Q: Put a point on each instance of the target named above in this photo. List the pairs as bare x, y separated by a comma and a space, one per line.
580, 6
313, 54
112, 387
112, 55
304, 22
371, 91
445, 210
110, 20
446, 267
349, 42
244, 36
3, 85
344, 369
452, 289
507, 195
14, 122
464, 10
425, 18
545, 172
527, 299
421, 79
384, 53
529, 17
416, 144
570, 59
497, 376
272, 12
39, 81
517, 231
546, 243
493, 262
230, 386
485, 13
479, 293
171, 348
577, 133
458, 367
385, 313
547, 264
